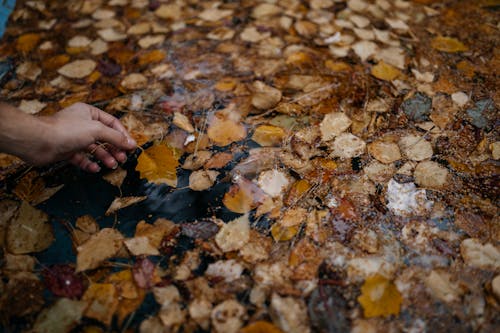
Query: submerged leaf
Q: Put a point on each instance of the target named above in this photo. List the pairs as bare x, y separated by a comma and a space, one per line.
379, 297
101, 246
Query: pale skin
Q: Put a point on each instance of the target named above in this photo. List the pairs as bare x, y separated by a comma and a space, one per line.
80, 134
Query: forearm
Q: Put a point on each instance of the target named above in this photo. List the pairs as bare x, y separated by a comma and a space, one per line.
20, 132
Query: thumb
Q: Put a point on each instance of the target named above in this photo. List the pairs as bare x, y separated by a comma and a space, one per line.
116, 138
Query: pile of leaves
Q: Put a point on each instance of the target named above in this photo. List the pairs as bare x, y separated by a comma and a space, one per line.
355, 142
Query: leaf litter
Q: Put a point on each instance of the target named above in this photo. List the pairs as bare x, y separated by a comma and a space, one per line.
347, 149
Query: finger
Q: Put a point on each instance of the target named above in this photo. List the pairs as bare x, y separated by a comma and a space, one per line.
106, 134
103, 155
108, 120
83, 162
118, 154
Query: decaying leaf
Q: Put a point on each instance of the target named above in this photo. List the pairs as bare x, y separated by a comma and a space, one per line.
123, 202
158, 164
243, 196
62, 281
268, 135
223, 130
144, 273
62, 316
78, 69
448, 44
31, 188
141, 246
200, 229
29, 231
116, 177
379, 297
102, 300
101, 246
202, 180
233, 235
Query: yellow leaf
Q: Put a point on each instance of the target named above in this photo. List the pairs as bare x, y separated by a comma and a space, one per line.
379, 297
297, 191
226, 84
448, 44
385, 71
268, 135
55, 62
298, 58
151, 57
281, 233
223, 131
158, 164
131, 297
103, 302
337, 66
27, 42
260, 327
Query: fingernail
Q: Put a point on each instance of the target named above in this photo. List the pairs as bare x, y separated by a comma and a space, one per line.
115, 166
131, 142
98, 169
125, 159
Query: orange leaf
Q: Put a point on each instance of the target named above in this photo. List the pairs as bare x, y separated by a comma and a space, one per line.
268, 135
297, 191
379, 297
243, 196
151, 57
226, 84
55, 62
158, 164
103, 302
131, 297
260, 327
223, 131
27, 42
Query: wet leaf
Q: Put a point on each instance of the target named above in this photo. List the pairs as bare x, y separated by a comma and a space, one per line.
116, 177
102, 300
234, 234
385, 71
282, 233
144, 273
78, 69
123, 202
202, 180
379, 297
62, 316
27, 42
200, 229
141, 246
297, 191
101, 246
29, 231
108, 68
151, 57
267, 135
260, 327
448, 44
131, 297
158, 164
31, 188
219, 160
243, 196
63, 281
223, 130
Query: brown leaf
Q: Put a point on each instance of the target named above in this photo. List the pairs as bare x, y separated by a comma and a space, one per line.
101, 246
123, 202
116, 177
202, 180
222, 130
29, 231
144, 273
102, 300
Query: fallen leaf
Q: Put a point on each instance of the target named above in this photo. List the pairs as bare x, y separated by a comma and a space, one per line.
379, 297
297, 191
219, 160
243, 196
158, 164
265, 97
134, 81
141, 246
78, 69
203, 229
123, 202
27, 42
448, 44
116, 177
144, 273
182, 122
281, 233
224, 131
63, 281
268, 135
87, 224
102, 300
29, 231
202, 180
101, 246
62, 316
385, 71
234, 234
260, 327
131, 297
55, 62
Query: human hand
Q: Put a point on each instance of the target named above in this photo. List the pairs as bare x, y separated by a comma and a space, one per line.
81, 131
